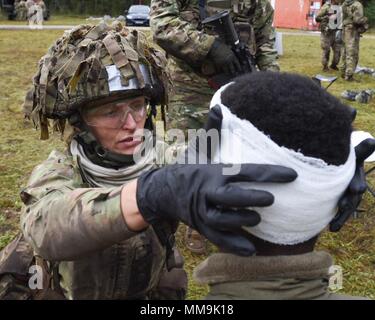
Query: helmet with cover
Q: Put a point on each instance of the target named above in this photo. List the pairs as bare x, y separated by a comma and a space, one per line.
90, 65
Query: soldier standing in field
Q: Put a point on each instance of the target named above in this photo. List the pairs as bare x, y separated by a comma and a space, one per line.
40, 14
330, 18
21, 10
31, 13
195, 54
43, 6
354, 24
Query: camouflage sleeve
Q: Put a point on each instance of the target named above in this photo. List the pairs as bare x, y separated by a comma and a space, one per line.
323, 13
62, 219
176, 35
266, 55
358, 15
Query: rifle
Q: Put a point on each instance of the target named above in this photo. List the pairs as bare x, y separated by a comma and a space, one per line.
224, 27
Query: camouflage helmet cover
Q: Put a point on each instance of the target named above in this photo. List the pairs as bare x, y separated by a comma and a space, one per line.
75, 71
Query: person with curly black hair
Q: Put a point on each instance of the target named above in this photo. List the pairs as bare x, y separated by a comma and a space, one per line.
295, 113
283, 119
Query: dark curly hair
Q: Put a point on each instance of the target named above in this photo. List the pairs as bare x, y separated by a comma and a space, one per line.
295, 112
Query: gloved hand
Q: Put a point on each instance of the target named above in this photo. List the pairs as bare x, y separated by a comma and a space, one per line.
353, 195
203, 198
224, 58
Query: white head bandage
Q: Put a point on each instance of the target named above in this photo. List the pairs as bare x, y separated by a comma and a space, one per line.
303, 208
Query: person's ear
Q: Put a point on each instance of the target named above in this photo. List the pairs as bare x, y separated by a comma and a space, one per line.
352, 197
215, 117
365, 149
353, 113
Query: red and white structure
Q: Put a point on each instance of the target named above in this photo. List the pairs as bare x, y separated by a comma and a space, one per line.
296, 14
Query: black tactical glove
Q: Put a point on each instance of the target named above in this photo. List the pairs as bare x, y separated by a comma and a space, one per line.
224, 58
203, 198
353, 195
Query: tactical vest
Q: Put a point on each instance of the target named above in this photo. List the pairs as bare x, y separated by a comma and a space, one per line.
133, 273
131, 269
127, 270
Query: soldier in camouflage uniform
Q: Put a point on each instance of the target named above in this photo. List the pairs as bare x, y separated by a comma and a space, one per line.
21, 10
44, 8
71, 216
176, 27
329, 27
100, 217
354, 24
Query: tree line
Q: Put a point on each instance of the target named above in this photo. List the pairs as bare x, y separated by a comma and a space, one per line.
91, 7
370, 11
117, 7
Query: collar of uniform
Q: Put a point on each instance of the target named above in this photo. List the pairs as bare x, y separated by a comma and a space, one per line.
259, 277
225, 267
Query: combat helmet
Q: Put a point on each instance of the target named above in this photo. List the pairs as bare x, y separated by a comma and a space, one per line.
90, 63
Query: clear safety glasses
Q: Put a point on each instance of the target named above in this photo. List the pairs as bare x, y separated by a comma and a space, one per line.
114, 115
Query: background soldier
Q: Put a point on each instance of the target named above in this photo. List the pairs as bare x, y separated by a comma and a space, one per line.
330, 18
31, 13
176, 27
195, 53
354, 24
40, 8
21, 10
44, 9
29, 3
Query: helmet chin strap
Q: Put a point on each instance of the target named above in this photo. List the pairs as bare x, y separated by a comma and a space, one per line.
95, 151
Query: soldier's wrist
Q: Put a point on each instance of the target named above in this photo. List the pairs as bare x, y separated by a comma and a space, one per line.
133, 218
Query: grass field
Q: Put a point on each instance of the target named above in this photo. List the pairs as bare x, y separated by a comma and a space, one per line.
21, 150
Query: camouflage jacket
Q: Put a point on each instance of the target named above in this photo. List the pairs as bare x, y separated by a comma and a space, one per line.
323, 17
353, 15
83, 230
176, 28
20, 6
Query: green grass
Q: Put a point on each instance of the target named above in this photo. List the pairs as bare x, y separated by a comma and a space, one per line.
368, 32
21, 150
